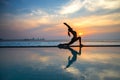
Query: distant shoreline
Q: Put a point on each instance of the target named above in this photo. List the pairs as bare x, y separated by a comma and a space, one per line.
32, 40
57, 46
64, 40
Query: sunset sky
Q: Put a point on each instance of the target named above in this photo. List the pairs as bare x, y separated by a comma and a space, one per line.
94, 19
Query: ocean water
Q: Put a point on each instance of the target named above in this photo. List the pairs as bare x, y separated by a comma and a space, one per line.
87, 63
54, 43
72, 63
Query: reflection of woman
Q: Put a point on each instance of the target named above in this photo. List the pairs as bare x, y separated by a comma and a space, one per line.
75, 38
74, 57
74, 53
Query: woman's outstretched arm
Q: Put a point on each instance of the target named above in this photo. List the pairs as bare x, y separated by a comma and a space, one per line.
67, 25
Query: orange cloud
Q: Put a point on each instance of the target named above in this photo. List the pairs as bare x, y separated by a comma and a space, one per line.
95, 20
96, 24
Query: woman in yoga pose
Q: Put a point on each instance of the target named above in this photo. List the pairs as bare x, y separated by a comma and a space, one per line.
75, 37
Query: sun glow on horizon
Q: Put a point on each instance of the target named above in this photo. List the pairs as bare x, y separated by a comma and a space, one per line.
80, 33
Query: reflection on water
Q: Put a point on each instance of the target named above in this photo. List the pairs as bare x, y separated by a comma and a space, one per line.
97, 63
74, 55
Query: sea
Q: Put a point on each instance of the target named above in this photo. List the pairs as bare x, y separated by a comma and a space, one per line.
54, 63
54, 43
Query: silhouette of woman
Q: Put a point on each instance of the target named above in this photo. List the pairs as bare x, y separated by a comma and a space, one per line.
74, 57
75, 38
74, 53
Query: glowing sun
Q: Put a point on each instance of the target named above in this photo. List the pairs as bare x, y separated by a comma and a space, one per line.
80, 33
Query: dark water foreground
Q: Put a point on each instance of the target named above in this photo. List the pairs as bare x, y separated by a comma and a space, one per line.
93, 63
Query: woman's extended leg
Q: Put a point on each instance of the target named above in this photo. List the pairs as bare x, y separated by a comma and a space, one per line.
79, 40
73, 40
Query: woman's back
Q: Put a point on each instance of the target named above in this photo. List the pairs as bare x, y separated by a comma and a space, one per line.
74, 33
